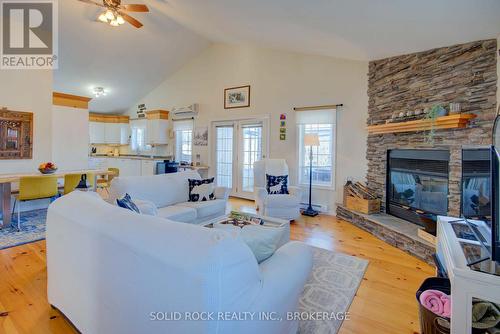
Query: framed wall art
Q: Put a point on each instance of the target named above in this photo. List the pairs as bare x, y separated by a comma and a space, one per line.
16, 135
237, 97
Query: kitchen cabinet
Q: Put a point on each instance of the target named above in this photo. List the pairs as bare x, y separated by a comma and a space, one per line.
113, 134
96, 132
98, 163
148, 167
157, 127
125, 134
108, 129
128, 167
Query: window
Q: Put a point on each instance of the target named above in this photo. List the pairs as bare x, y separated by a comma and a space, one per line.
183, 145
138, 139
322, 123
183, 140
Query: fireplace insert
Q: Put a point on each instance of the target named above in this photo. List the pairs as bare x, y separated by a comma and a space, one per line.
417, 184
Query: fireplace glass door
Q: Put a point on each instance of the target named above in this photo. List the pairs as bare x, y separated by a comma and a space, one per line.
420, 190
417, 183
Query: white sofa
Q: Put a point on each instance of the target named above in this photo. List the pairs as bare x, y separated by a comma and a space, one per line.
170, 194
279, 206
111, 270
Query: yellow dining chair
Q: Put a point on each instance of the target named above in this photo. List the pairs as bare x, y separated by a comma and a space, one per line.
72, 180
32, 188
105, 183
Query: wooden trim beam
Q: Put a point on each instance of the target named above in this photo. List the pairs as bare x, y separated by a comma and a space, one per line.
68, 100
324, 107
107, 118
157, 114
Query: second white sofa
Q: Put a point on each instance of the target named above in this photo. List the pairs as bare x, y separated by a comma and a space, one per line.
170, 194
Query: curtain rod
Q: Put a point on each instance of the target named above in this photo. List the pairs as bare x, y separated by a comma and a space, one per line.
328, 106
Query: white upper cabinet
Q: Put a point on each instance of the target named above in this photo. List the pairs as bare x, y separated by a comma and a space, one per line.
109, 129
113, 133
125, 134
157, 127
96, 132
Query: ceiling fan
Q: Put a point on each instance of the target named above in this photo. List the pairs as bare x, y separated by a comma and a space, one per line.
114, 12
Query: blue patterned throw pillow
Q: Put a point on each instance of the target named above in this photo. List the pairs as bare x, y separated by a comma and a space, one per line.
127, 203
201, 190
277, 185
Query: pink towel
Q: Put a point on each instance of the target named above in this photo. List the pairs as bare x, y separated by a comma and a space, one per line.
437, 302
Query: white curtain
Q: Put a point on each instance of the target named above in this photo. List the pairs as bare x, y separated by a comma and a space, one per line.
325, 116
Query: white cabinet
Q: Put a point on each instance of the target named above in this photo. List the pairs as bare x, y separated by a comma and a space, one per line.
113, 133
124, 134
128, 167
157, 132
98, 163
109, 129
157, 127
148, 167
97, 132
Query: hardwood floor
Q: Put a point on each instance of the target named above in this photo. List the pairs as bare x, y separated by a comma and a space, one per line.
385, 302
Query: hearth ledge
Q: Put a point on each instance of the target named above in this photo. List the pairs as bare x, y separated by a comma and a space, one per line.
392, 230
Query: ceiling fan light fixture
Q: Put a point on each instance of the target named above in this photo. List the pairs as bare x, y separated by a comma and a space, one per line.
120, 20
114, 23
109, 15
103, 18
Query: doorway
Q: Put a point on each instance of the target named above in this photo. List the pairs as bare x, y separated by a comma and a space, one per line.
237, 145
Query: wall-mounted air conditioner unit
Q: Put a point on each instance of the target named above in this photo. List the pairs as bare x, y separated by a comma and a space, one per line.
185, 112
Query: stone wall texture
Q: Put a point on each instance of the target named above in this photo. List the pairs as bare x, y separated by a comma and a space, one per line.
464, 73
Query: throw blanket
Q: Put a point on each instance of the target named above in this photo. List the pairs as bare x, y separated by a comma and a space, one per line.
437, 302
485, 315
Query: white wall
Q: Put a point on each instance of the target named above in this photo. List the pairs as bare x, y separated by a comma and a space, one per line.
70, 138
279, 81
29, 90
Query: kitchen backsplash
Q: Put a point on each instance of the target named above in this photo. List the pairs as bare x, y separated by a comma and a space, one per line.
125, 150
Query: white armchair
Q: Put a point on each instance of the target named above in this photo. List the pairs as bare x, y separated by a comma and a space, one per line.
271, 205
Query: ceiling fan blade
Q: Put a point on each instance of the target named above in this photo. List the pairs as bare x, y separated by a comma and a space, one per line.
92, 2
131, 20
135, 8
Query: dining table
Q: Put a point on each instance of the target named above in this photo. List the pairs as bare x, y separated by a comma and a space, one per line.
6, 181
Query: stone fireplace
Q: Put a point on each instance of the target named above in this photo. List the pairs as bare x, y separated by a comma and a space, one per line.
464, 73
407, 169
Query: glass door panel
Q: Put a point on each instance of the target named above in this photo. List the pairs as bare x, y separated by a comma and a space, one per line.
251, 150
224, 136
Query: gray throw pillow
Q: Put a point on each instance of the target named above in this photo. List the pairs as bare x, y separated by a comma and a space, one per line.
262, 241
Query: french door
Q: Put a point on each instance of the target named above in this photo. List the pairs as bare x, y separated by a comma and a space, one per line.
237, 145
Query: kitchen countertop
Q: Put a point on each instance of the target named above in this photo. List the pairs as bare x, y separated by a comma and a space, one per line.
135, 157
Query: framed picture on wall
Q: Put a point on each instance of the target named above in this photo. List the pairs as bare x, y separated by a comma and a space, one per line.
237, 97
16, 135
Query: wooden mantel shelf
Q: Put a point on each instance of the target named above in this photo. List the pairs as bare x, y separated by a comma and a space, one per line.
458, 121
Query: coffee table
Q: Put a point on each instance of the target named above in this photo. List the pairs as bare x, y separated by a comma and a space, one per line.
268, 222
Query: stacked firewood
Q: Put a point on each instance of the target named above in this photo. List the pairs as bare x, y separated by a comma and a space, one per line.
359, 190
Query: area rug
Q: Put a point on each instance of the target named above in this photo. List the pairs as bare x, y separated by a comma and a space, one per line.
329, 291
32, 229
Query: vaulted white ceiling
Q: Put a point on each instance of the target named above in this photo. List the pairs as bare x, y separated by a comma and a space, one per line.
131, 62
126, 61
